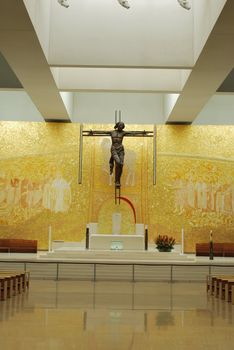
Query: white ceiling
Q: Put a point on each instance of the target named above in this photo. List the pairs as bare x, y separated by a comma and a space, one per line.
96, 47
102, 33
120, 79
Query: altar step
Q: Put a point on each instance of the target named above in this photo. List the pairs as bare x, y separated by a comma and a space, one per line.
106, 255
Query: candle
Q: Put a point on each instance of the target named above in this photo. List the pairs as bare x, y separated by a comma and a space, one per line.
211, 246
182, 240
49, 238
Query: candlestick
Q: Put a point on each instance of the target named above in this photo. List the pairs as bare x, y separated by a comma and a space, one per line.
49, 238
211, 253
182, 240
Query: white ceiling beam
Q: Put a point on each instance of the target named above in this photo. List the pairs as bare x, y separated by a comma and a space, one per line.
120, 79
212, 67
21, 48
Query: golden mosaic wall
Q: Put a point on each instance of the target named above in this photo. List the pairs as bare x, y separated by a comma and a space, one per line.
39, 182
195, 184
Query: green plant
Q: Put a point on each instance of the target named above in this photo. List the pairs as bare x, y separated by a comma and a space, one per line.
164, 242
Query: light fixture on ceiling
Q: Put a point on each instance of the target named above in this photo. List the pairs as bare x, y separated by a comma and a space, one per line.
124, 3
63, 3
185, 4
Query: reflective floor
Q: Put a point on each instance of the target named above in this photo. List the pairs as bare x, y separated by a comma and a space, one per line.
116, 315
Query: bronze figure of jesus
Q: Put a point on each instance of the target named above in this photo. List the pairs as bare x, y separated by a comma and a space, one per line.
117, 148
117, 152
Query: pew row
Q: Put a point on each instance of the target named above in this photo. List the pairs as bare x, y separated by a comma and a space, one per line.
12, 283
221, 286
18, 245
219, 249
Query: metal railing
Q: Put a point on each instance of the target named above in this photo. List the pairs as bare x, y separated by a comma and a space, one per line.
195, 272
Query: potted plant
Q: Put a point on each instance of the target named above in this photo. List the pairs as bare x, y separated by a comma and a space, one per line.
164, 243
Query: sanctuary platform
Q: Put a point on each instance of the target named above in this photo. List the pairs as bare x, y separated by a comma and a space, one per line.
126, 255
132, 266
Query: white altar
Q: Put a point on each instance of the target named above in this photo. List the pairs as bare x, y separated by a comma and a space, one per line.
116, 240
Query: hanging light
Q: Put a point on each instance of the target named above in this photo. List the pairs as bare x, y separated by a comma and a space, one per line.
124, 3
63, 3
185, 4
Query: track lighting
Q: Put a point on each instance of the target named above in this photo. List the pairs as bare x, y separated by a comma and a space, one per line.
63, 3
185, 4
124, 3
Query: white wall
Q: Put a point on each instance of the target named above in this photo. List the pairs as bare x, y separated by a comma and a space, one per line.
16, 105
219, 110
136, 108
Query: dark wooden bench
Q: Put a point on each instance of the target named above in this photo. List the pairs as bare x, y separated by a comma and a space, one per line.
228, 249
12, 283
17, 245
221, 286
3, 287
219, 249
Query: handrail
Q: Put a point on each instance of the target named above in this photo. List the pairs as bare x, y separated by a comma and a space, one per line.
95, 264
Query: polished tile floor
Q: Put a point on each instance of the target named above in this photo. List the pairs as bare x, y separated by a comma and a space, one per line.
115, 316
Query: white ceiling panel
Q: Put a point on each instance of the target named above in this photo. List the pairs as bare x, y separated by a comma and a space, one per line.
102, 33
99, 51
119, 79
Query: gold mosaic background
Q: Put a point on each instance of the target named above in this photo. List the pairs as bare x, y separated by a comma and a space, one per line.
39, 182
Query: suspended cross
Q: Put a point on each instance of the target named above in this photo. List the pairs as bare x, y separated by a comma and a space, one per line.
117, 149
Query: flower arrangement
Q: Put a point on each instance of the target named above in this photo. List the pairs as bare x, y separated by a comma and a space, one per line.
164, 243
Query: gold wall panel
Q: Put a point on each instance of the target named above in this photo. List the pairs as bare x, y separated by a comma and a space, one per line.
39, 182
195, 186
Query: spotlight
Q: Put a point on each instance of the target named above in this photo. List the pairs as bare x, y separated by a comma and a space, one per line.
185, 4
124, 3
63, 3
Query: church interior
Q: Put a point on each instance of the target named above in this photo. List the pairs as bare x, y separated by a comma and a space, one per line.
117, 174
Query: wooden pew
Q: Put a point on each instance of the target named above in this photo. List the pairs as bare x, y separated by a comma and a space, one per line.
219, 249
23, 279
219, 284
222, 286
229, 289
9, 280
3, 288
10, 245
212, 283
13, 283
211, 286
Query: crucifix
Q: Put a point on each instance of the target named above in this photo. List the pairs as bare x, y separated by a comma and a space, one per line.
116, 161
